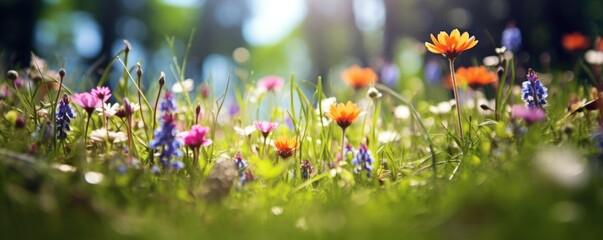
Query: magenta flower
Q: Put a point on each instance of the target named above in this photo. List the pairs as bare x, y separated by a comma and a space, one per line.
196, 137
265, 127
86, 100
270, 83
103, 93
530, 115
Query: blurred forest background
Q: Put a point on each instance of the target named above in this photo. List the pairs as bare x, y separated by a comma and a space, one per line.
253, 38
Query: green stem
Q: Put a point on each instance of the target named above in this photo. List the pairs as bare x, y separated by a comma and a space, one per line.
456, 98
264, 146
195, 156
86, 129
343, 157
146, 128
155, 110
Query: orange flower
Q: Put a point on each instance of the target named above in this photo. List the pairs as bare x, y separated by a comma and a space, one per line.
574, 41
451, 45
599, 46
358, 77
344, 115
285, 146
474, 77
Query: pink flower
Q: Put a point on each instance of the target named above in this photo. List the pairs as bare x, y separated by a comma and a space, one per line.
270, 83
530, 115
196, 137
86, 100
265, 127
103, 93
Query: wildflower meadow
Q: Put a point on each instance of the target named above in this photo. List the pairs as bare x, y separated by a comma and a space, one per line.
506, 150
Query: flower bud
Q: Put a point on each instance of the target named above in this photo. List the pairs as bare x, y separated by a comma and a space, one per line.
13, 75
127, 46
161, 79
138, 70
373, 93
62, 73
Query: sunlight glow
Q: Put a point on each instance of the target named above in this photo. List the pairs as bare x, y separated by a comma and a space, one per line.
272, 20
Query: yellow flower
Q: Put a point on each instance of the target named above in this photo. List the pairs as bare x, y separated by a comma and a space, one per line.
451, 45
285, 146
358, 77
344, 115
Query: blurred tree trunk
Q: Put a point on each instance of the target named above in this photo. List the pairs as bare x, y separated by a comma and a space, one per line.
17, 21
358, 49
219, 30
106, 13
333, 36
392, 29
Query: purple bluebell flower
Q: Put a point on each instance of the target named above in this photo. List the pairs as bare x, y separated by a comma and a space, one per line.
247, 177
348, 152
390, 73
177, 165
511, 38
155, 169
289, 123
363, 160
306, 169
234, 109
63, 117
432, 72
241, 165
122, 169
533, 93
165, 135
169, 103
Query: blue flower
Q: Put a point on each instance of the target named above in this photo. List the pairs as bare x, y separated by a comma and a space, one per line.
348, 152
390, 73
432, 72
155, 170
363, 160
177, 165
165, 135
168, 104
306, 169
533, 93
511, 38
247, 177
241, 165
63, 117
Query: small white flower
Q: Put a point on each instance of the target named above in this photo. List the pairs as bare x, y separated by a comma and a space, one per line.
325, 104
246, 131
64, 167
276, 210
388, 136
102, 135
94, 177
402, 112
491, 61
325, 121
441, 108
110, 110
187, 85
594, 57
563, 166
